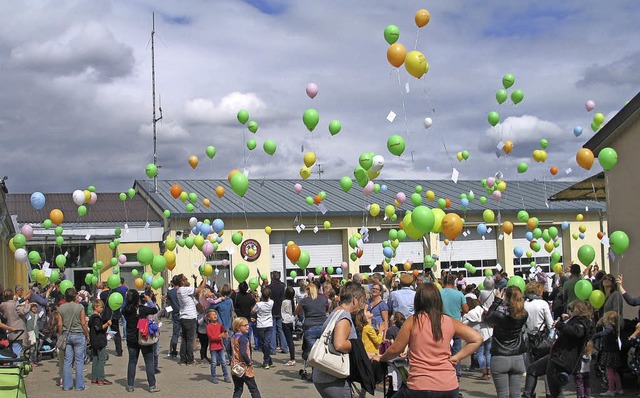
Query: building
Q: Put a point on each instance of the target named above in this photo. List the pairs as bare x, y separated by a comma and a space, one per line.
7, 275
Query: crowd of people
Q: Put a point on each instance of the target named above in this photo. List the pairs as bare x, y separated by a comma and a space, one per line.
409, 333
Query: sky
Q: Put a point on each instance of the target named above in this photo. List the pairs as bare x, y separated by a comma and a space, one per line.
75, 87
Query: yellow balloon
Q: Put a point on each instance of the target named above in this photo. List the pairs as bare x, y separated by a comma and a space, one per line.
438, 285
459, 156
557, 268
327, 225
582, 228
438, 215
415, 63
373, 174
87, 195
374, 210
289, 243
170, 257
396, 203
139, 283
579, 217
502, 186
385, 267
267, 230
11, 246
389, 211
549, 247
309, 159
406, 266
430, 195
395, 243
208, 270
394, 269
305, 172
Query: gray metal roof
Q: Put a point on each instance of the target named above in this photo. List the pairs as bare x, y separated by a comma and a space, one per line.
276, 198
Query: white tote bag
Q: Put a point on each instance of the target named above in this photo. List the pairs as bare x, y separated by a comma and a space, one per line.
324, 357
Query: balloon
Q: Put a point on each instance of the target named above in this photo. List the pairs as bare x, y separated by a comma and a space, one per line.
151, 170
335, 127
37, 200
488, 215
34, 257
396, 145
82, 210
619, 241
577, 131
594, 127
309, 159
243, 116
293, 253
608, 158
544, 143
415, 64
236, 238
597, 299
47, 223
518, 282
310, 118
501, 96
585, 158
451, 225
422, 18
115, 300
518, 252
241, 272
27, 231
482, 229
59, 240
427, 122
144, 256
374, 209
251, 144
583, 289
508, 80
210, 151
586, 255
396, 54
553, 170
193, 161
517, 96
366, 160
493, 118
312, 90
254, 283
158, 281
240, 184
56, 216
252, 126
269, 147
422, 219
598, 119
590, 105
508, 147
176, 190
293, 274
78, 197
304, 259
391, 34
159, 263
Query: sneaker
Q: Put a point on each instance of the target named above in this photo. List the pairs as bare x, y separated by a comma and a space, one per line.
157, 371
290, 363
129, 388
154, 389
227, 380
191, 363
608, 394
266, 366
620, 392
214, 380
92, 382
106, 382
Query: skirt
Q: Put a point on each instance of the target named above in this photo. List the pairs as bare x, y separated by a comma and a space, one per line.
610, 359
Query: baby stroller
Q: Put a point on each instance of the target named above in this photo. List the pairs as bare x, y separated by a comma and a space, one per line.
13, 370
47, 345
397, 375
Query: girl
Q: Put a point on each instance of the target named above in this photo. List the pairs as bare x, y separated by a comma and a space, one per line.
156, 346
264, 324
474, 318
202, 333
216, 333
370, 337
288, 321
241, 348
583, 387
610, 356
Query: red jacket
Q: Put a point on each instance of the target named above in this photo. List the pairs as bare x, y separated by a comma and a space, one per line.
213, 332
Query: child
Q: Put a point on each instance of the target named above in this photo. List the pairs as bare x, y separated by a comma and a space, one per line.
241, 348
264, 324
370, 337
610, 357
32, 332
98, 341
583, 387
288, 321
202, 333
156, 346
215, 333
394, 329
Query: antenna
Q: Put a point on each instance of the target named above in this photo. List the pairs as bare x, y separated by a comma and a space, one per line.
153, 92
320, 171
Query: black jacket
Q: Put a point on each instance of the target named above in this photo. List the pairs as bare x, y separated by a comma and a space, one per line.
361, 367
572, 337
97, 334
508, 336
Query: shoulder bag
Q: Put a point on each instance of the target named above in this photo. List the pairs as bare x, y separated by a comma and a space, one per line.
147, 335
324, 357
61, 342
540, 342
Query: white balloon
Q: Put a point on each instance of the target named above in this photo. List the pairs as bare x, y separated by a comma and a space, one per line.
427, 122
78, 197
193, 222
21, 256
378, 163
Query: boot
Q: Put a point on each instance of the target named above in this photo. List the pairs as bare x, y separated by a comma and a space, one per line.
486, 374
530, 386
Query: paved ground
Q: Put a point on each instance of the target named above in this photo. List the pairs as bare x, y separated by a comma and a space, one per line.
175, 380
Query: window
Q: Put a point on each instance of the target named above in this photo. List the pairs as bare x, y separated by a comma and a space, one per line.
78, 255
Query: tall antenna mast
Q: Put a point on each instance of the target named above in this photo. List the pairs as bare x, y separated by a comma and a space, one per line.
153, 90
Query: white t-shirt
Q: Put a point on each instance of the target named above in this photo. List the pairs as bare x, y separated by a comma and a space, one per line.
187, 302
263, 314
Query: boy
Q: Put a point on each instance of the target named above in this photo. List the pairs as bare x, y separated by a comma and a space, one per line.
98, 341
32, 332
215, 333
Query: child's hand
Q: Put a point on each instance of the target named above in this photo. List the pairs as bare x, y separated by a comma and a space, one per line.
109, 322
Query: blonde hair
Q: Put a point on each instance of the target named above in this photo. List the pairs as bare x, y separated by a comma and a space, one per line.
610, 318
313, 290
580, 308
588, 349
515, 301
237, 323
535, 288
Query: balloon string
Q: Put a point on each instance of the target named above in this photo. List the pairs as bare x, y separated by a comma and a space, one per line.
415, 46
244, 147
404, 110
521, 196
244, 211
266, 171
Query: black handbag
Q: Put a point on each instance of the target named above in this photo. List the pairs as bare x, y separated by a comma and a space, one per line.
540, 342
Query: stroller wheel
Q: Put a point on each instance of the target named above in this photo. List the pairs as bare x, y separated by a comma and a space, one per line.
303, 374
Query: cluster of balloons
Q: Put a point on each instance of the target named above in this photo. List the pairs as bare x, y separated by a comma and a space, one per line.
189, 198
243, 118
297, 256
355, 242
607, 157
369, 167
130, 194
414, 62
495, 187
317, 199
82, 198
501, 96
463, 155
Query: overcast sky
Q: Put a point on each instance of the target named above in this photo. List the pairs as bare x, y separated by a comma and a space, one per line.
75, 86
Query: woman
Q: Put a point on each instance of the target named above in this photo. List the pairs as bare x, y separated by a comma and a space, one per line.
13, 312
487, 294
474, 318
73, 322
428, 332
508, 317
539, 313
573, 333
352, 296
314, 307
378, 308
135, 308
632, 301
613, 298
288, 322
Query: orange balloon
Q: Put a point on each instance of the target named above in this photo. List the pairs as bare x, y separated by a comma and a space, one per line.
422, 18
56, 216
206, 202
448, 203
396, 53
446, 242
293, 252
139, 283
220, 191
451, 225
176, 190
508, 147
585, 158
507, 227
317, 199
554, 170
416, 272
231, 174
600, 235
358, 252
193, 161
407, 266
532, 223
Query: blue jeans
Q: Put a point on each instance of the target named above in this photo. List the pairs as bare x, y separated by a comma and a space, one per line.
219, 357
175, 335
311, 334
253, 331
277, 330
76, 346
484, 354
238, 386
16, 347
156, 352
455, 348
264, 336
147, 355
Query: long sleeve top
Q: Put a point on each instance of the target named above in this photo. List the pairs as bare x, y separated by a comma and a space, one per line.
213, 333
371, 339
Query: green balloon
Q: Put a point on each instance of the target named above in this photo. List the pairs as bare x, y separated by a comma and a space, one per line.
335, 127
157, 282
536, 246
55, 276
391, 34
64, 285
304, 259
113, 281
429, 261
393, 235
131, 193
309, 200
544, 143
211, 151
416, 199
151, 170
47, 223
310, 118
594, 127
144, 256
501, 96
293, 274
583, 289
240, 184
193, 197
253, 126
553, 232
518, 282
597, 299
376, 188
586, 254
523, 216
442, 203
396, 145
236, 238
523, 167
402, 235
619, 241
190, 208
465, 155
134, 272
361, 176
34, 257
493, 118
251, 144
555, 257
366, 160
422, 218
123, 196
117, 232
184, 196
243, 116
254, 283
116, 270
318, 269
82, 210
330, 270
159, 263
537, 233
91, 188
241, 272
19, 241
608, 158
517, 96
59, 240
58, 231
167, 213
353, 257
112, 246
115, 300
545, 235
508, 80
269, 147
483, 200
598, 119
182, 242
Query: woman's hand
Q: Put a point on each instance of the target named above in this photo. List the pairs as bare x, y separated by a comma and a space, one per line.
454, 359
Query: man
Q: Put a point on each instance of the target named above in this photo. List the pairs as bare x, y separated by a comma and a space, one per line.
172, 300
455, 305
277, 295
501, 282
568, 289
402, 300
122, 289
188, 317
114, 316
